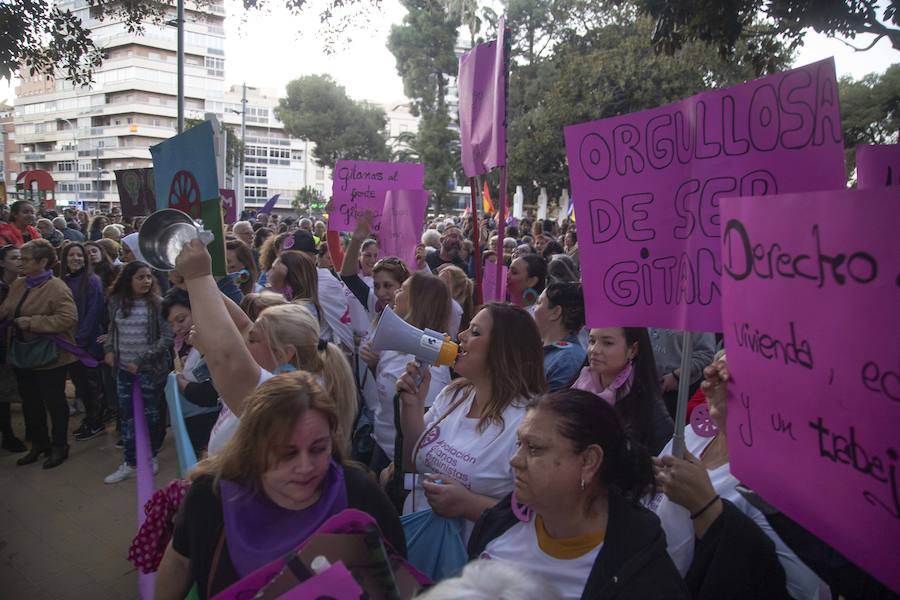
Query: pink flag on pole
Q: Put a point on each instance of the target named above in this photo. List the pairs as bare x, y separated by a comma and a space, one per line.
229, 204
401, 224
877, 166
269, 205
494, 287
647, 187
809, 301
482, 106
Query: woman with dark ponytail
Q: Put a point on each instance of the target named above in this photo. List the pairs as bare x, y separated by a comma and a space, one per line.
574, 516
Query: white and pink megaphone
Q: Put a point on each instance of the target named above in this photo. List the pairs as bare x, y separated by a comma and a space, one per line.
429, 346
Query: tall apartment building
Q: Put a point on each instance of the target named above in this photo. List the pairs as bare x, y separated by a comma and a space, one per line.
82, 135
274, 162
9, 169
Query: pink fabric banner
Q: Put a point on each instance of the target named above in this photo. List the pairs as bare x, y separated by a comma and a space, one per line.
401, 223
229, 205
359, 185
810, 296
482, 106
145, 484
494, 287
647, 187
877, 166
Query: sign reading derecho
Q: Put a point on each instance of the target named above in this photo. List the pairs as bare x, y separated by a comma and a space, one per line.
360, 185
811, 286
647, 186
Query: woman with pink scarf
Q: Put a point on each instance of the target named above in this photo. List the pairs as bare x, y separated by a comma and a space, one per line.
621, 370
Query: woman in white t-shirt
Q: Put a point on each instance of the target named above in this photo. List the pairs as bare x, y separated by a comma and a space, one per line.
574, 517
461, 447
242, 354
423, 301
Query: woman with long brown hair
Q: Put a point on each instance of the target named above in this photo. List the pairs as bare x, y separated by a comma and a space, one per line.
279, 478
239, 257
474, 419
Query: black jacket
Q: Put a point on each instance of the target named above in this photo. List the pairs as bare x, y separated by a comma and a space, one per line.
632, 565
735, 560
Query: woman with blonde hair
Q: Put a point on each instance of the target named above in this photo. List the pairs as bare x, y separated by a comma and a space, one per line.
253, 304
462, 290
273, 485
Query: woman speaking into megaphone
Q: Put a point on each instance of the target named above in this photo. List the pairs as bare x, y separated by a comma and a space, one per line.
460, 449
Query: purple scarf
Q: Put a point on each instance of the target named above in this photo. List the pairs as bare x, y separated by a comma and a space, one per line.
258, 531
34, 281
618, 389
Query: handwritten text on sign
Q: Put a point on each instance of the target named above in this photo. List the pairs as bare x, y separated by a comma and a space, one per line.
811, 286
361, 185
401, 223
647, 188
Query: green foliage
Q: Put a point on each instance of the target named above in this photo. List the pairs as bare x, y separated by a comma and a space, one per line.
424, 48
37, 38
724, 25
870, 111
234, 152
318, 109
308, 199
577, 74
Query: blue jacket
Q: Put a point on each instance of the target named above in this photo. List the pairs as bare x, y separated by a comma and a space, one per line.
562, 361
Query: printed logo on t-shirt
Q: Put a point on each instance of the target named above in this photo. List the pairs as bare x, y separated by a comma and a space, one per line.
432, 436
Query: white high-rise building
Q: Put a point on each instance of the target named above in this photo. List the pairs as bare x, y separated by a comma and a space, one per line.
82, 135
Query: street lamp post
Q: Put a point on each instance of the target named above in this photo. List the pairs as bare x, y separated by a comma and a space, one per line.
75, 150
240, 181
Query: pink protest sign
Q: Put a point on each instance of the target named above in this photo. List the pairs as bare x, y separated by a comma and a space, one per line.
335, 583
401, 223
229, 205
647, 186
493, 291
482, 106
810, 290
877, 166
361, 185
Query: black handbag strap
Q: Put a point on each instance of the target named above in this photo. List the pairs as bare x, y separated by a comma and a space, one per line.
17, 313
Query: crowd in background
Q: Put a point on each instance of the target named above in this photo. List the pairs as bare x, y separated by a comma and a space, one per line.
547, 441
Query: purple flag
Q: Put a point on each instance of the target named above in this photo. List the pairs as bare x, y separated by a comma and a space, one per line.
269, 205
482, 106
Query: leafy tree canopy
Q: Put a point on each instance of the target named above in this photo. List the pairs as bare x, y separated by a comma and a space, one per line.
870, 111
729, 25
318, 109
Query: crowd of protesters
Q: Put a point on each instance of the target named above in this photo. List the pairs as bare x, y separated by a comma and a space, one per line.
547, 441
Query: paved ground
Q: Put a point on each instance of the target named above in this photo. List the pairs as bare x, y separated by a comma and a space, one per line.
64, 534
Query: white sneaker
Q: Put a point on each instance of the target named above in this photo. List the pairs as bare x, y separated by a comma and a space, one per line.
121, 474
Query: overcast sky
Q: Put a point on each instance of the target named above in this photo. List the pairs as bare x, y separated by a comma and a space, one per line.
268, 50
